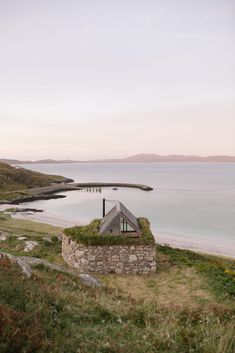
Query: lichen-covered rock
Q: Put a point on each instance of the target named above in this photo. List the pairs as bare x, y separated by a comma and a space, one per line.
48, 239
90, 280
30, 245
3, 237
22, 238
27, 262
25, 268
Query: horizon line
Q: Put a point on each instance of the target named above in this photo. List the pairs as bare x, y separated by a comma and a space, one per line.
120, 158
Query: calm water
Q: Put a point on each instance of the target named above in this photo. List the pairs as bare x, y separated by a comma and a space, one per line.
193, 199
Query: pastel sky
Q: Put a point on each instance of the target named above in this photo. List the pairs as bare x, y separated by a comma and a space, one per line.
87, 79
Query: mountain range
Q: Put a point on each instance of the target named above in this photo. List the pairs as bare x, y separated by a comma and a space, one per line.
138, 158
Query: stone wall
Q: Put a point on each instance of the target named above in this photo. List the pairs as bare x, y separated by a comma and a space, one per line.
109, 258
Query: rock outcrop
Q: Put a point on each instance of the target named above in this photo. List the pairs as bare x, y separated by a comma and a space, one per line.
27, 262
30, 245
3, 236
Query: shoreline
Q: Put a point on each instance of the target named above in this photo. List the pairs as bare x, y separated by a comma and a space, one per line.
203, 245
50, 192
41, 217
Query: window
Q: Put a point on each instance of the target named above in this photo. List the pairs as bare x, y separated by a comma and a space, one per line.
126, 227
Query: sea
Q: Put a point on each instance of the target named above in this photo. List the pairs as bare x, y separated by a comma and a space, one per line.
188, 199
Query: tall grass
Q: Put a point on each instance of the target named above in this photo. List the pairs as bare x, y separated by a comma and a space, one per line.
54, 313
218, 271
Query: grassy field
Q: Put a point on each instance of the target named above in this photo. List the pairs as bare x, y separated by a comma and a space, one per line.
187, 306
32, 231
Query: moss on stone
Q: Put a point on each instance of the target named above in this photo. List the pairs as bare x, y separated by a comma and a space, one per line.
89, 235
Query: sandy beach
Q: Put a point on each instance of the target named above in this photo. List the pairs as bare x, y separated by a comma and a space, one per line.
218, 247
42, 217
204, 245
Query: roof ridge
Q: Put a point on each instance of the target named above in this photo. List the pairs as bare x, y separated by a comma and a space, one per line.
119, 210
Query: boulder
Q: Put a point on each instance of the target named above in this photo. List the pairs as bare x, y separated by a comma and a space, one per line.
25, 268
90, 280
30, 245
48, 239
3, 237
27, 262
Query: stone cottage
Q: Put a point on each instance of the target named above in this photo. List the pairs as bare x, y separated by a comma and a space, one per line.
118, 243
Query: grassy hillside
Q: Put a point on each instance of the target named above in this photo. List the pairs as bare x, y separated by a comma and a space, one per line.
187, 306
17, 178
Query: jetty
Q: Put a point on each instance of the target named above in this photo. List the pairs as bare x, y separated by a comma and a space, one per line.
114, 185
51, 192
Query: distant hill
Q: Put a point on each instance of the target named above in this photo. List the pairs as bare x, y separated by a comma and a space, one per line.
138, 158
13, 161
41, 161
15, 178
55, 161
153, 158
177, 158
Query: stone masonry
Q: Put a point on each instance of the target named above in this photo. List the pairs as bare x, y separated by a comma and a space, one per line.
109, 258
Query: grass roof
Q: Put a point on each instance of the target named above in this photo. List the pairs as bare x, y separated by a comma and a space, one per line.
89, 235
